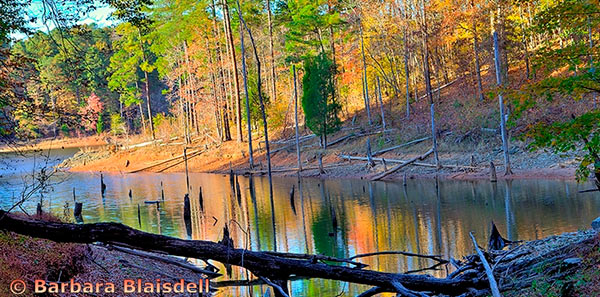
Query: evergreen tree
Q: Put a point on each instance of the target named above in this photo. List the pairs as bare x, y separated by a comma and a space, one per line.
318, 100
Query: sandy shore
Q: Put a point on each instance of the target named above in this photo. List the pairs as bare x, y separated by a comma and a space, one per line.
229, 155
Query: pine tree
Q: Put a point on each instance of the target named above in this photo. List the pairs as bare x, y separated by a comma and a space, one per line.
318, 101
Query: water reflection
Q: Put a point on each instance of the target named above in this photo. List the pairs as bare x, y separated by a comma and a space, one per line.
333, 217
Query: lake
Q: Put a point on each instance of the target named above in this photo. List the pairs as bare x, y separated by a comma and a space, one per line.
370, 216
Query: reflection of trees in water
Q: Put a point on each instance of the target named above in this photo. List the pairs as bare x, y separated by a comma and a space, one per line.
417, 218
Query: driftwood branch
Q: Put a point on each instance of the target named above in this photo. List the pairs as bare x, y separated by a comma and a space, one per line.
397, 167
385, 150
488, 269
189, 155
437, 258
275, 286
381, 160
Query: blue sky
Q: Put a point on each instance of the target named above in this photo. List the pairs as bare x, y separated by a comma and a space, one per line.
100, 16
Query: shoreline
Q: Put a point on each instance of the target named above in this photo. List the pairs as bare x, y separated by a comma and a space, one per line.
222, 159
55, 143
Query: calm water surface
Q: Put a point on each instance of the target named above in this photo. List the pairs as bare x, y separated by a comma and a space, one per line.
371, 216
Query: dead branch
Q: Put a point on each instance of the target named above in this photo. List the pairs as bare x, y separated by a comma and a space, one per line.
488, 269
380, 160
379, 152
396, 168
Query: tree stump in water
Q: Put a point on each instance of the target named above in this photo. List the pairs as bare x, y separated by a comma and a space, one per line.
77, 212
162, 191
200, 199
139, 216
493, 177
102, 184
187, 214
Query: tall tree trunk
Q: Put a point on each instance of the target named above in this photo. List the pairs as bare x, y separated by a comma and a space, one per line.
189, 80
238, 115
427, 78
507, 169
264, 118
365, 82
273, 77
147, 86
245, 76
381, 107
333, 55
591, 43
476, 50
148, 105
525, 46
142, 117
296, 119
214, 87
406, 67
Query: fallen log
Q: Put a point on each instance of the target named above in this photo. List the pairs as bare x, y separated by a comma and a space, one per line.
189, 156
301, 138
385, 150
162, 162
292, 144
380, 160
397, 167
294, 169
439, 88
274, 267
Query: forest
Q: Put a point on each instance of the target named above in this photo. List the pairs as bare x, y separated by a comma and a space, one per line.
166, 69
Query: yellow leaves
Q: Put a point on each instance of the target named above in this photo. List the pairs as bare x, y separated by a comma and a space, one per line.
586, 162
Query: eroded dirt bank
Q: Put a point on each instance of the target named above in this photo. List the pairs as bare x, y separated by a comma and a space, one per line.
460, 160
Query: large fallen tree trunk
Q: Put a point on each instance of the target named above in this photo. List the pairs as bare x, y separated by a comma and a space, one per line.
278, 268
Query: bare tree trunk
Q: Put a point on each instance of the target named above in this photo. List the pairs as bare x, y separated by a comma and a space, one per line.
273, 77
507, 170
147, 87
189, 109
428, 84
214, 87
525, 46
142, 116
245, 76
296, 119
591, 42
381, 107
477, 62
406, 73
264, 118
141, 110
365, 82
233, 60
333, 55
148, 105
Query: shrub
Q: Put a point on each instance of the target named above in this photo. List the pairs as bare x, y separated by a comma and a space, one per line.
117, 125
100, 124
